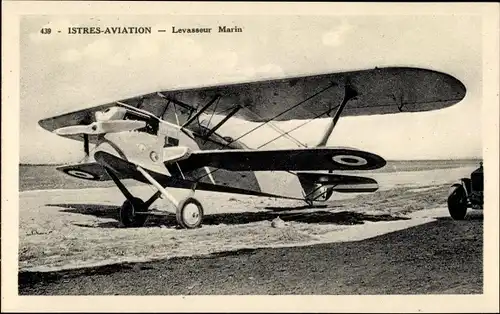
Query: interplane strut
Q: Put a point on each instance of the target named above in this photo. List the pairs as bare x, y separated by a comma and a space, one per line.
349, 94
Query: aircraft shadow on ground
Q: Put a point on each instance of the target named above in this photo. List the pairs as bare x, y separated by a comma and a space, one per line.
284, 209
318, 216
476, 215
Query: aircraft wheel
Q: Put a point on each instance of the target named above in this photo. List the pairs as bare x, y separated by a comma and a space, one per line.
189, 213
128, 217
457, 202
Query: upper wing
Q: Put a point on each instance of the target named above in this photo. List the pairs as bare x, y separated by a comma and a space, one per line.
317, 158
380, 91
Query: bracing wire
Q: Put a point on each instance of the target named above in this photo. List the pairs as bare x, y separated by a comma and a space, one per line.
280, 114
269, 120
279, 130
213, 112
297, 127
301, 125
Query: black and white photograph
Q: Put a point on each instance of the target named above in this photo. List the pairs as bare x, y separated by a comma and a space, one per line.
285, 151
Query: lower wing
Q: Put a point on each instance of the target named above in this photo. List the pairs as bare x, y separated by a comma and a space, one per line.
125, 169
242, 160
314, 158
88, 171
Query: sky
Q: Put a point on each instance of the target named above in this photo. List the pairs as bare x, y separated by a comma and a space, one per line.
62, 73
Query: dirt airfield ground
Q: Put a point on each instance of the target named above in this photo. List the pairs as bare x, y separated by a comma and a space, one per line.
63, 229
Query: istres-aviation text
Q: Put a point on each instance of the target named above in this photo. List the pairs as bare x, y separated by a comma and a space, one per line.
132, 30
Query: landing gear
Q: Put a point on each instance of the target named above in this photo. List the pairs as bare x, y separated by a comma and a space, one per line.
134, 211
320, 193
129, 216
457, 202
189, 213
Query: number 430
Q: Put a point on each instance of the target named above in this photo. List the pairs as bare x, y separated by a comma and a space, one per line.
46, 31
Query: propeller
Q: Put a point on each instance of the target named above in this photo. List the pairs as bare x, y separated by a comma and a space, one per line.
102, 127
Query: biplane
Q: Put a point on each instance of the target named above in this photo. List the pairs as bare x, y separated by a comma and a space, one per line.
168, 139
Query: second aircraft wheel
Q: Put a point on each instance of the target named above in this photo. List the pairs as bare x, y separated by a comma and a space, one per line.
189, 213
457, 202
128, 216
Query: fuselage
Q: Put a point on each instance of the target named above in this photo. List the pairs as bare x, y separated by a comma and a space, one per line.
147, 146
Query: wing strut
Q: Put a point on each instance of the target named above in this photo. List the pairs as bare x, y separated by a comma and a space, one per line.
86, 144
229, 115
199, 113
269, 120
157, 185
349, 94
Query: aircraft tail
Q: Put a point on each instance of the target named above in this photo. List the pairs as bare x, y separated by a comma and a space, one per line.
320, 186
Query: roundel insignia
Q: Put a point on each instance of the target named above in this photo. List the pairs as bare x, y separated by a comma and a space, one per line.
81, 174
350, 160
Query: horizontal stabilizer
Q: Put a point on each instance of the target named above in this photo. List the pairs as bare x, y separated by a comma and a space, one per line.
294, 159
339, 183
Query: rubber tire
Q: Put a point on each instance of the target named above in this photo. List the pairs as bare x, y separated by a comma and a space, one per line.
180, 211
457, 202
127, 216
